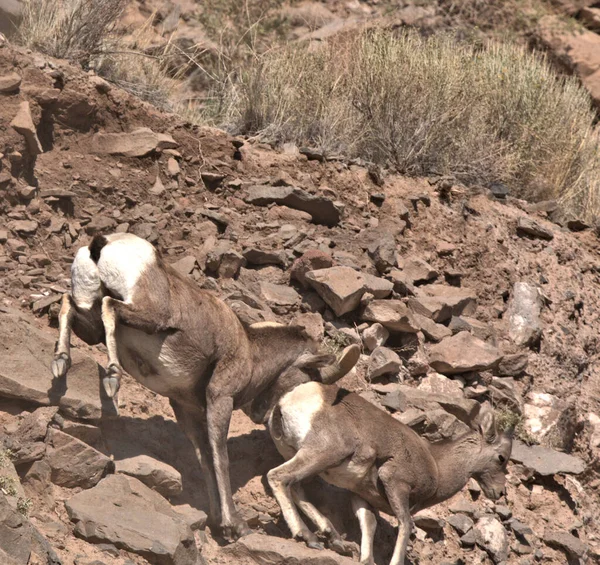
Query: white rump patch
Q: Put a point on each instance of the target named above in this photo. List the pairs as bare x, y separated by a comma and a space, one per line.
257, 325
298, 409
122, 261
85, 280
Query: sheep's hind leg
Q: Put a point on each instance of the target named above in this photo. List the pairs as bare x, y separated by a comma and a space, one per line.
368, 524
303, 465
62, 352
335, 541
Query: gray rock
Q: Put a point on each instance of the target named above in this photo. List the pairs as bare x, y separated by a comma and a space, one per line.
194, 518
321, 209
504, 512
384, 361
528, 227
550, 420
155, 474
566, 542
513, 365
463, 353
340, 287
523, 314
123, 511
24, 227
27, 443
269, 550
224, 260
439, 384
460, 522
278, 296
392, 314
469, 539
465, 324
375, 336
545, 461
519, 528
256, 256
73, 463
491, 536
25, 357
429, 522
20, 541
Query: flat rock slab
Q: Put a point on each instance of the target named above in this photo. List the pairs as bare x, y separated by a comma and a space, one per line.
269, 550
462, 353
440, 302
25, 357
321, 209
340, 287
123, 511
74, 463
137, 143
155, 474
545, 461
392, 314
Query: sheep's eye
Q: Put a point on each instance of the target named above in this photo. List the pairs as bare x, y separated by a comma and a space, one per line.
502, 459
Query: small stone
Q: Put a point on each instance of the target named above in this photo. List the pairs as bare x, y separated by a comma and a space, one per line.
566, 542
23, 123
24, 227
256, 256
155, 474
491, 536
523, 314
528, 227
10, 83
504, 512
101, 85
173, 168
378, 287
460, 522
311, 260
392, 314
185, 265
375, 336
418, 271
384, 361
340, 287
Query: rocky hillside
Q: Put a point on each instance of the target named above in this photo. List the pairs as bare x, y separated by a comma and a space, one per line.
456, 296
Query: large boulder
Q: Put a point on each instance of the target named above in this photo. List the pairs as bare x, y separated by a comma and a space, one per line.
463, 353
74, 463
550, 420
545, 461
392, 314
340, 287
523, 314
25, 357
123, 511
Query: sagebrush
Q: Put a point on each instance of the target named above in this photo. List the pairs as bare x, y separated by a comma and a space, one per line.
69, 29
429, 105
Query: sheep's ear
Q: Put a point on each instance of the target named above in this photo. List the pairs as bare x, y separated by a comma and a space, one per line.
311, 361
486, 422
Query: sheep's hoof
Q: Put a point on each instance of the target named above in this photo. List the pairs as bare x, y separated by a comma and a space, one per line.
310, 539
343, 547
60, 365
112, 381
237, 531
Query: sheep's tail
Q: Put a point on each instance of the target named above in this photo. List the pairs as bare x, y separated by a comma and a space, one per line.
96, 246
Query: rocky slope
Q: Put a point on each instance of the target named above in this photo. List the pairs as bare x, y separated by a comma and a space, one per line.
457, 296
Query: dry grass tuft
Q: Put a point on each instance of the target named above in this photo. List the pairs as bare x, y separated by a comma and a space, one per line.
69, 29
430, 105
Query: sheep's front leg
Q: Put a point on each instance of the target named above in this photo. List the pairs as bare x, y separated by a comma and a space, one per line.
368, 524
397, 493
62, 352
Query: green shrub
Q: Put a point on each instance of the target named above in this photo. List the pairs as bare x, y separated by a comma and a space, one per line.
429, 105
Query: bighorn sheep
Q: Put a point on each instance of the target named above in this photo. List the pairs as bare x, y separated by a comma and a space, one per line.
328, 431
179, 341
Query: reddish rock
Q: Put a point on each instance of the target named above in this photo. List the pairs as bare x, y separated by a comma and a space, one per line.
463, 353
312, 260
340, 287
